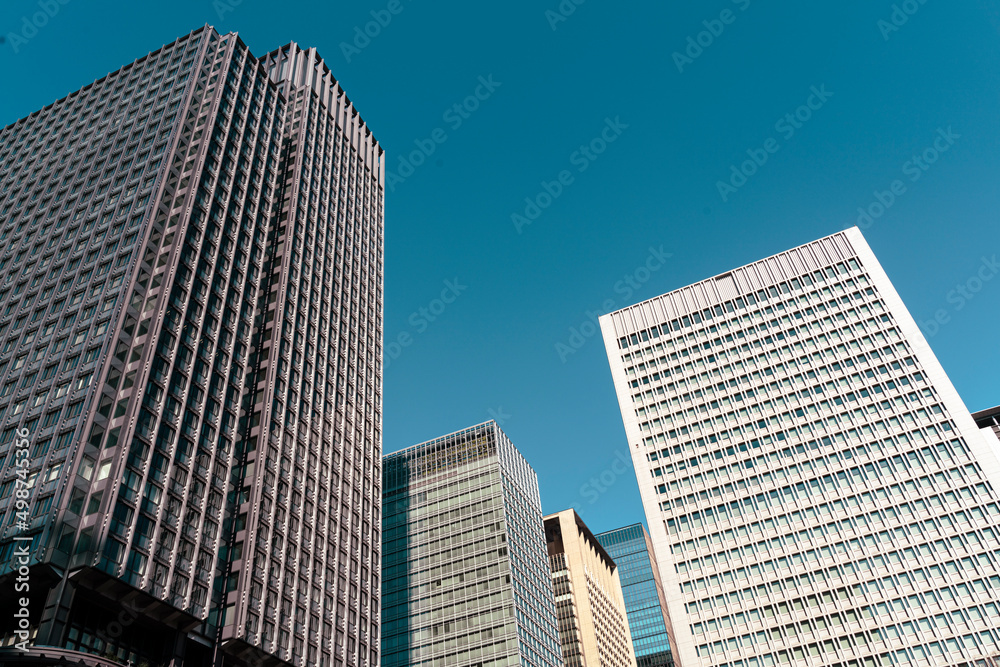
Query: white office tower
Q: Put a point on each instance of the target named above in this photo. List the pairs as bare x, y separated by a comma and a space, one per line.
816, 491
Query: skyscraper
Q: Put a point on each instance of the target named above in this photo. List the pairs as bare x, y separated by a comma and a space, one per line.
190, 326
593, 622
642, 588
815, 489
465, 578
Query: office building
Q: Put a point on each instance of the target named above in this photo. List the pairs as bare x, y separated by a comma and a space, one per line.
988, 419
642, 589
593, 622
465, 578
191, 326
988, 422
815, 489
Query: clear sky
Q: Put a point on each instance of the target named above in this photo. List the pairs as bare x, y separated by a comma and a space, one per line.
676, 118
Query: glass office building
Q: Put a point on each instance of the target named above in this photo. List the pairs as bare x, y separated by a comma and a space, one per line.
465, 576
632, 551
815, 489
190, 337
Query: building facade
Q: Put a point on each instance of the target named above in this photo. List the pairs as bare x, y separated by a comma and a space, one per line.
464, 572
190, 319
815, 489
593, 621
642, 588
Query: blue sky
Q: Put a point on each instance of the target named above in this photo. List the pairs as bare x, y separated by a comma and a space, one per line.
673, 127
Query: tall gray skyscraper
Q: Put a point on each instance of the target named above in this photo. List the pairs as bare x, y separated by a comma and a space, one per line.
465, 574
816, 491
191, 326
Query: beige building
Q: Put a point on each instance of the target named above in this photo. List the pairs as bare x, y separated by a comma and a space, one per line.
593, 625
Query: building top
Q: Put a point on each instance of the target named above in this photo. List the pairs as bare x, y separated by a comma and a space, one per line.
553, 534
987, 417
304, 67
125, 68
679, 307
448, 453
635, 531
320, 79
440, 441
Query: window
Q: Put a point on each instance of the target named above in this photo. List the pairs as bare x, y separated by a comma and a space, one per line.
40, 449
42, 505
64, 439
95, 503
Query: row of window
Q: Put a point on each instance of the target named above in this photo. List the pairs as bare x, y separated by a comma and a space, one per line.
846, 480
706, 315
916, 506
741, 356
925, 397
690, 418
759, 385
770, 393
727, 346
875, 430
